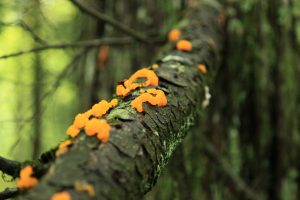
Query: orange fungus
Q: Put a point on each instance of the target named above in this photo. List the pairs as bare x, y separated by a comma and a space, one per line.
26, 180
98, 127
63, 147
92, 127
84, 187
114, 102
159, 99
61, 196
100, 108
202, 68
80, 120
155, 66
130, 84
184, 45
174, 35
103, 133
72, 131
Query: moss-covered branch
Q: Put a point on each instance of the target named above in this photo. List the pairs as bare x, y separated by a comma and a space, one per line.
141, 144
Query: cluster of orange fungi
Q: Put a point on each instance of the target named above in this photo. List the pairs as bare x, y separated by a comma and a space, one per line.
182, 45
93, 126
26, 179
185, 45
153, 96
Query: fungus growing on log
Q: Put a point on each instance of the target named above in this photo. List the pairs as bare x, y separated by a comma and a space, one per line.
73, 131
174, 35
80, 120
155, 66
184, 45
159, 99
63, 147
84, 187
61, 196
202, 68
26, 180
98, 127
130, 84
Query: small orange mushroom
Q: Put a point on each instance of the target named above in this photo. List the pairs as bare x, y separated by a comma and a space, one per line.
174, 35
72, 131
26, 180
202, 68
184, 45
159, 99
61, 196
63, 147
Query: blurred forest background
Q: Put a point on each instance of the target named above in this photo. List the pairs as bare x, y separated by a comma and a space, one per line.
246, 145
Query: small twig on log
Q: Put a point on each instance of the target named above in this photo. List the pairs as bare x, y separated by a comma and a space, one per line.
10, 167
100, 16
80, 44
9, 193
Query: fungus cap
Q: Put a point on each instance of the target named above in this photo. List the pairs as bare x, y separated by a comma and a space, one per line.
159, 99
99, 109
174, 35
61, 196
184, 45
72, 131
26, 180
202, 68
80, 120
104, 132
92, 127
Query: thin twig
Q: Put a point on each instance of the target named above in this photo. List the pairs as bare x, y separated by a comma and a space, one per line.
35, 36
80, 44
100, 16
10, 167
9, 193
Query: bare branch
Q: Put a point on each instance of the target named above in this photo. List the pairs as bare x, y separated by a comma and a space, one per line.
100, 16
35, 36
80, 44
10, 167
9, 193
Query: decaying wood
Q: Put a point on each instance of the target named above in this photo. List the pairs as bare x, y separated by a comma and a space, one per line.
141, 144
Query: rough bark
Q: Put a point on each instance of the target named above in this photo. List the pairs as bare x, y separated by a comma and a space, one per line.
141, 144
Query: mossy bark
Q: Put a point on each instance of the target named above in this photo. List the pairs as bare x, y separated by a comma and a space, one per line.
141, 144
